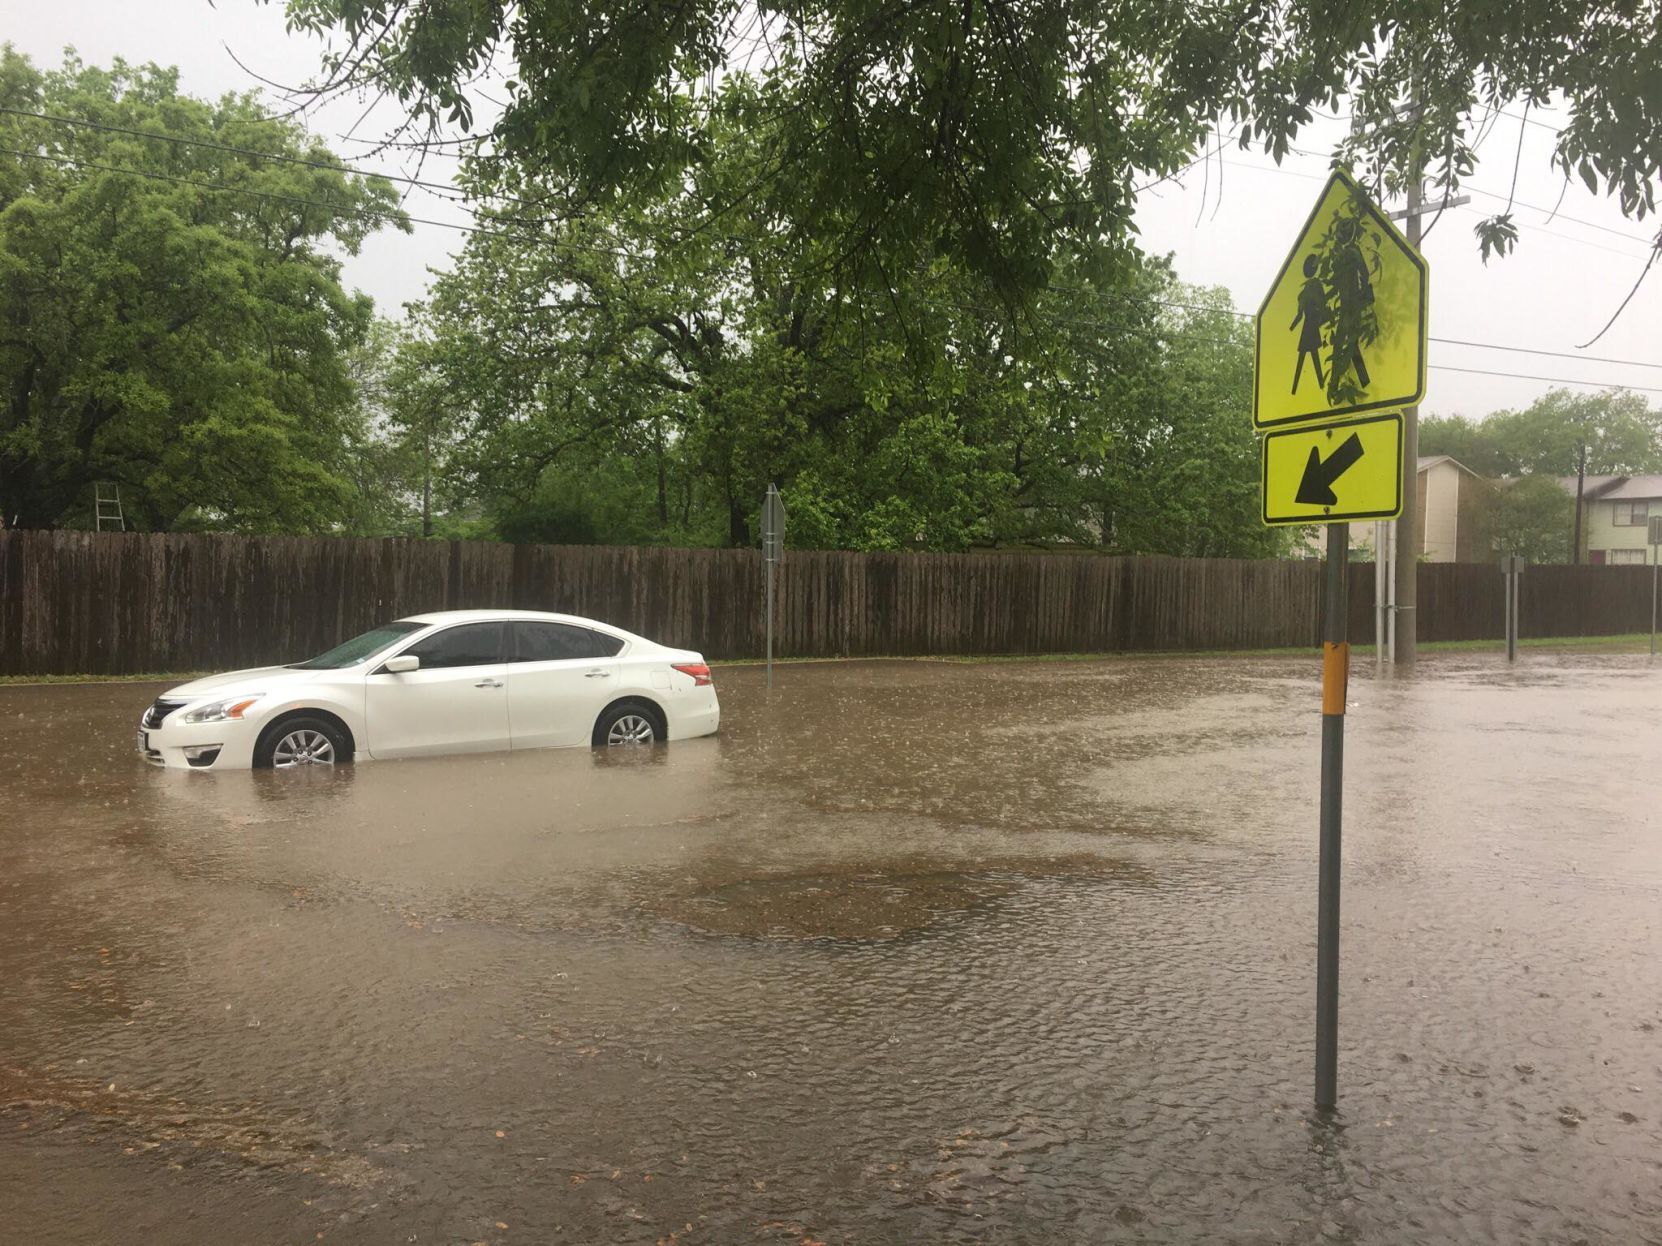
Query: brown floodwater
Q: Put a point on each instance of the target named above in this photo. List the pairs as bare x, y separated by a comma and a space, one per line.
912, 952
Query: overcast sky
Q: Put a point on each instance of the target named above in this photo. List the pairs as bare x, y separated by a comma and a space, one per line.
1228, 222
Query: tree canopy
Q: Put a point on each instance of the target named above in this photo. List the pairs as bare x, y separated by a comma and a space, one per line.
171, 312
1620, 431
604, 387
1004, 134
1531, 515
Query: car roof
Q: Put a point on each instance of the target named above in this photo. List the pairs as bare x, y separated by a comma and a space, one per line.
489, 616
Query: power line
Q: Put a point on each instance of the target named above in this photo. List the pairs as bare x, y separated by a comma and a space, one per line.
1564, 216
1556, 354
374, 214
1476, 190
1555, 380
449, 190
1447, 341
384, 216
451, 193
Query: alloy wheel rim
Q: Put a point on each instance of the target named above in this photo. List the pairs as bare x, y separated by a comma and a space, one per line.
305, 747
630, 729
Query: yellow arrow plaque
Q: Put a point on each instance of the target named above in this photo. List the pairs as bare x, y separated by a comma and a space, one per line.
1351, 469
1342, 330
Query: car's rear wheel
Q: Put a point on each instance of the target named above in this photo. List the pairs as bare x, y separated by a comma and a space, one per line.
628, 723
302, 741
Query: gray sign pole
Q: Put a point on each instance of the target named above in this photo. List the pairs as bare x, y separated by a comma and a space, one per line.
1511, 568
1506, 603
1655, 569
1335, 676
773, 549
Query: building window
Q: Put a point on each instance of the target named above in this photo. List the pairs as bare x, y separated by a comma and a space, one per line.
1629, 514
1627, 557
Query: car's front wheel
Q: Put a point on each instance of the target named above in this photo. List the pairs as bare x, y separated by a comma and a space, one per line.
302, 741
628, 723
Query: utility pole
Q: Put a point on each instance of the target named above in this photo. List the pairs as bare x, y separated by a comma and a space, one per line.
1580, 486
1407, 535
427, 481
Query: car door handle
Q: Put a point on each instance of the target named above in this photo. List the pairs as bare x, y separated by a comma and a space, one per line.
489, 683
598, 675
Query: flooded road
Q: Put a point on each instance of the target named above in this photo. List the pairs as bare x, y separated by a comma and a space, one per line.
912, 952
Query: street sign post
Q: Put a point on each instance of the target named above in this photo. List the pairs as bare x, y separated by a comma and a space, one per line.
773, 552
1339, 349
1511, 568
1333, 472
1342, 330
1655, 548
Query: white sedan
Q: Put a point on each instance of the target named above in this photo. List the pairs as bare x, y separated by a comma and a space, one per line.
462, 681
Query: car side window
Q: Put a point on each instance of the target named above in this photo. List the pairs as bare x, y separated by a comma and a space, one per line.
471, 644
556, 642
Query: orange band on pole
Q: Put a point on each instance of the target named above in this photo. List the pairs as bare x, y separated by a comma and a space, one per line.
1335, 676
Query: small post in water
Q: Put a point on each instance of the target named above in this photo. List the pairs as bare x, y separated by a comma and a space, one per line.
1655, 543
1508, 575
773, 549
1335, 676
1381, 573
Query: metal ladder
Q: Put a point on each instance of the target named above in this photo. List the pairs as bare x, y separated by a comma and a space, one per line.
106, 499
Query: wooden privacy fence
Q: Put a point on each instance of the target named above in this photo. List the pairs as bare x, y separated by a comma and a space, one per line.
114, 603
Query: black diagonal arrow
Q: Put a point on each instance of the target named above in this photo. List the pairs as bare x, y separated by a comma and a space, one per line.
1316, 489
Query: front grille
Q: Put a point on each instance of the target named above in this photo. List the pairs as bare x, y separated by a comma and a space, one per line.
160, 710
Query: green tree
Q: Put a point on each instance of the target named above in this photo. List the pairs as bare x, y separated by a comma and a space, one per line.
1562, 432
1470, 441
1607, 433
1531, 515
1184, 474
601, 384
171, 312
1004, 134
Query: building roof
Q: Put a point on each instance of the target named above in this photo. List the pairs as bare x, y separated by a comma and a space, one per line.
1615, 488
1426, 461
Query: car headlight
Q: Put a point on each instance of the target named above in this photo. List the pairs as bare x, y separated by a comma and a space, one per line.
219, 711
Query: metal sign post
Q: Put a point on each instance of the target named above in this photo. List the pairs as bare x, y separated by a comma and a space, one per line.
1335, 678
1655, 543
773, 550
1339, 350
1511, 568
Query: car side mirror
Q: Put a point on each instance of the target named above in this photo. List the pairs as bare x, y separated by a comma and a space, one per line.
402, 663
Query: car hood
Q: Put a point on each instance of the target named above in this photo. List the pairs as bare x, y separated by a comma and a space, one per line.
256, 679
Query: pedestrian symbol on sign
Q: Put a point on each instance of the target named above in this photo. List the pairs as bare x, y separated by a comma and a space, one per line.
1312, 310
1347, 309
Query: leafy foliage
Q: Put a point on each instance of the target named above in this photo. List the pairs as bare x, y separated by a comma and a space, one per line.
1531, 515
190, 344
1621, 433
613, 388
990, 130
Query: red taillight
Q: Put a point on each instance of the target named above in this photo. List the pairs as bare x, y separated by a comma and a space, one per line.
698, 670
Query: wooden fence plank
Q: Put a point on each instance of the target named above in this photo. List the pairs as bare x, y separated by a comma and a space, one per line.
123, 603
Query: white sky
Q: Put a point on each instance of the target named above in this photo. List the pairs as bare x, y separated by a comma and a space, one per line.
1226, 224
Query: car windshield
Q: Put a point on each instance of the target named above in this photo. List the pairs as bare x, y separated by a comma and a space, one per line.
359, 648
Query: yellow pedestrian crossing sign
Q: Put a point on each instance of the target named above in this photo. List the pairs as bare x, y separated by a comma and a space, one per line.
1342, 330
1333, 473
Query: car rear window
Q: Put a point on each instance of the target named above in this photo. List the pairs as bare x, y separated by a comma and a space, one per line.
555, 642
